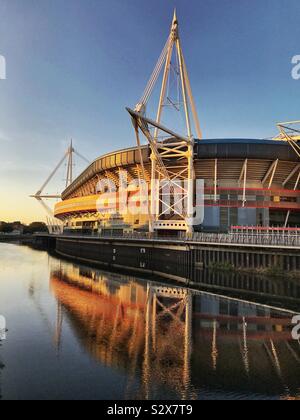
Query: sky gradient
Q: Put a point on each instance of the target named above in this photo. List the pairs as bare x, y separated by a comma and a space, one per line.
74, 65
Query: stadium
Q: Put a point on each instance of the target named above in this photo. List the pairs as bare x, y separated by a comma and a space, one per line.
265, 199
247, 182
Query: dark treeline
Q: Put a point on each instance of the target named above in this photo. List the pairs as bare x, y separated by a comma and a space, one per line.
20, 228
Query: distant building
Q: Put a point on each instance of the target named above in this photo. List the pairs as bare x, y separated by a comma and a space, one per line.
18, 228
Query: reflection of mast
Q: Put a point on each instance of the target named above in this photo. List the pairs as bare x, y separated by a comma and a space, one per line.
154, 313
56, 334
114, 332
59, 324
276, 361
135, 343
146, 364
292, 351
168, 310
274, 357
215, 353
187, 343
245, 350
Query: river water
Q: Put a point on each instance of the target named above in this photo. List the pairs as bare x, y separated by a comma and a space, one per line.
76, 332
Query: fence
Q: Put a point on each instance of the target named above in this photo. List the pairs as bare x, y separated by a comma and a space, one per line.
271, 238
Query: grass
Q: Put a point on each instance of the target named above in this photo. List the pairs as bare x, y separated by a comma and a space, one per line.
274, 272
222, 267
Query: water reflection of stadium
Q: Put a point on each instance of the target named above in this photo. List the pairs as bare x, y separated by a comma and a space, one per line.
190, 343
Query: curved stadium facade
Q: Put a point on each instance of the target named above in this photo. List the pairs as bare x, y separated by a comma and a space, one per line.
247, 183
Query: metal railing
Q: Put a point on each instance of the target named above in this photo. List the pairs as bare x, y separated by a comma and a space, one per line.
271, 239
291, 239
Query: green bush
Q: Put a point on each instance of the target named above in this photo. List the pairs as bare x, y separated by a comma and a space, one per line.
222, 266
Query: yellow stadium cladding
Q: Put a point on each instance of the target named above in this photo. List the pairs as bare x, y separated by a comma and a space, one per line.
89, 204
80, 204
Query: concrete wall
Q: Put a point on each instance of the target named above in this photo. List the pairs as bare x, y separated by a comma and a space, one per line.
183, 262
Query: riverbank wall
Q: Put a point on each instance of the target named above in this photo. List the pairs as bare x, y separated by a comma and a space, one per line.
177, 260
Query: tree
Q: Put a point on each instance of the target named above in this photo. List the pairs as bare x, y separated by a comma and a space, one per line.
35, 227
6, 227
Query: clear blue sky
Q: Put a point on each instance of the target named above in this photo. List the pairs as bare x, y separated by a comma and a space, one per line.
74, 65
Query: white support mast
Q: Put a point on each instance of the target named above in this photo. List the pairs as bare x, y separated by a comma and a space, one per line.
290, 132
70, 152
40, 196
172, 160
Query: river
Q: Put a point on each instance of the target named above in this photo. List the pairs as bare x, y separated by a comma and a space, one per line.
76, 332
